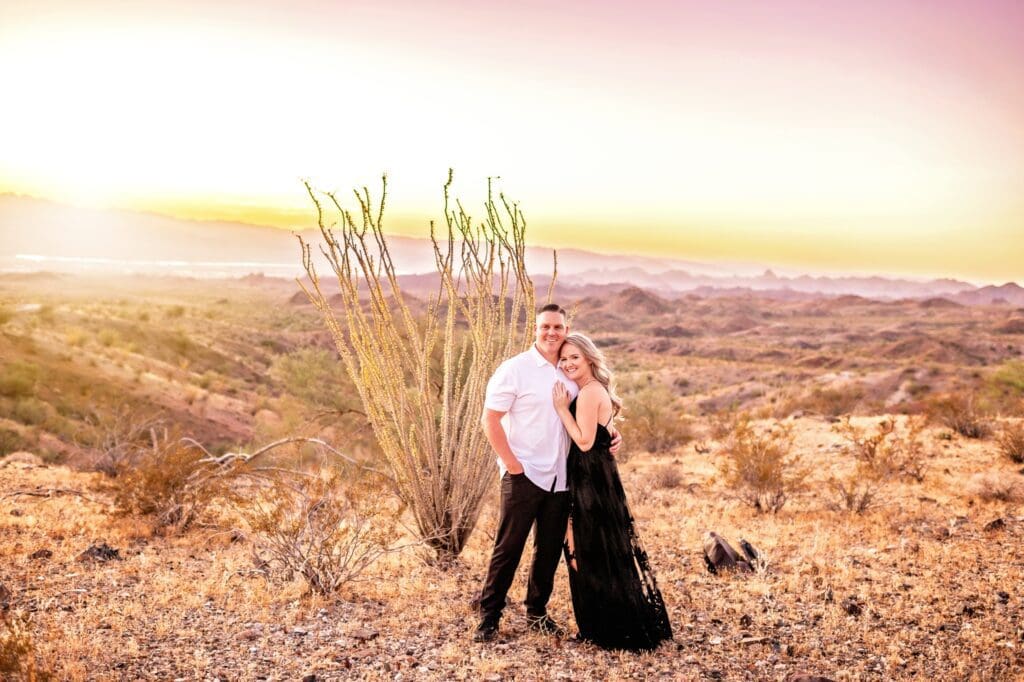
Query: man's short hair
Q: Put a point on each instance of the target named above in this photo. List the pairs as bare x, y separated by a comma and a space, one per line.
553, 308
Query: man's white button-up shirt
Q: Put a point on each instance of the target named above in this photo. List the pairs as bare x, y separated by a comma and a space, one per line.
521, 388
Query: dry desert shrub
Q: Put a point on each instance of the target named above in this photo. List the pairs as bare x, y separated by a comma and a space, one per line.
118, 438
961, 414
1011, 441
19, 661
652, 421
760, 465
887, 450
991, 485
665, 477
173, 481
326, 527
425, 414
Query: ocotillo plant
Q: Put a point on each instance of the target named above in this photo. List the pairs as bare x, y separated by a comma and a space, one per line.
424, 413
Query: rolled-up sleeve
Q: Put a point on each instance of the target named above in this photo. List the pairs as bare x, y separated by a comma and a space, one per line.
501, 389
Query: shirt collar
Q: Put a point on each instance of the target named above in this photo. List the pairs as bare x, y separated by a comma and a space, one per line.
538, 358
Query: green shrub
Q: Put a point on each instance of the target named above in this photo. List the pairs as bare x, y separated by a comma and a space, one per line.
1010, 376
315, 376
18, 380
31, 411
108, 337
13, 441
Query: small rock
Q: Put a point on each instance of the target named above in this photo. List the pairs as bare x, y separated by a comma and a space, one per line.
746, 621
1004, 597
300, 632
100, 552
753, 640
17, 512
852, 606
363, 634
995, 524
715, 641
804, 677
309, 678
250, 634
40, 554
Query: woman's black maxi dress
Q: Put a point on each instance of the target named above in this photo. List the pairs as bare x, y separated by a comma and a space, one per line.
614, 593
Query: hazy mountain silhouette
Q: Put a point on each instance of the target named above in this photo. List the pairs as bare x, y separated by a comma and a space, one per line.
73, 238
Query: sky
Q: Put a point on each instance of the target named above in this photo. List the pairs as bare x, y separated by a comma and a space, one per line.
867, 137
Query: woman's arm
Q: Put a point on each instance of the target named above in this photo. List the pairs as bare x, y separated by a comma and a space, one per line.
582, 429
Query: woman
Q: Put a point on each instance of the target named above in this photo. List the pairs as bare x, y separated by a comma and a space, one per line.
614, 594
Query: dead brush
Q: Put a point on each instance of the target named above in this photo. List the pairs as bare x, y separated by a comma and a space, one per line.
886, 451
857, 492
652, 422
173, 482
326, 526
761, 467
1011, 441
19, 661
962, 414
665, 477
990, 485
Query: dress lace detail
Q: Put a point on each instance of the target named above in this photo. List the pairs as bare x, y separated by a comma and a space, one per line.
614, 592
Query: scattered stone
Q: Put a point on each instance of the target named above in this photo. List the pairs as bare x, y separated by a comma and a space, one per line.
40, 554
804, 677
753, 640
1004, 597
17, 512
996, 524
746, 621
309, 678
852, 606
363, 634
101, 552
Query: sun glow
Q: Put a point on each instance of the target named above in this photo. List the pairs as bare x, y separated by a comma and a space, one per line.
719, 148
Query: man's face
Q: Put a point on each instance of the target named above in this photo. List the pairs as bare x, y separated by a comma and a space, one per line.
551, 331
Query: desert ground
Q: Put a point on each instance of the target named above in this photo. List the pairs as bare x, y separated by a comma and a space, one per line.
922, 583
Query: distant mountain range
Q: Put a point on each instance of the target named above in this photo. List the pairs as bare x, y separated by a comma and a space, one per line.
41, 235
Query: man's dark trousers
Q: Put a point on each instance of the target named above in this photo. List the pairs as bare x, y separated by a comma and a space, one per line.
523, 504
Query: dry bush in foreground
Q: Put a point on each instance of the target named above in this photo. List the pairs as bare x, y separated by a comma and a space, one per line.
990, 485
761, 466
887, 451
323, 526
425, 415
961, 414
19, 661
173, 481
652, 421
1011, 441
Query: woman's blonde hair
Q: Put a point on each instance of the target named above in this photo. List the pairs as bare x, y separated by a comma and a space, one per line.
598, 365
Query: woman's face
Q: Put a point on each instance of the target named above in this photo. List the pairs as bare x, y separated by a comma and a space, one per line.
574, 363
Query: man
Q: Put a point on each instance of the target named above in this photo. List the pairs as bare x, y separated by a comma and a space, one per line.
524, 430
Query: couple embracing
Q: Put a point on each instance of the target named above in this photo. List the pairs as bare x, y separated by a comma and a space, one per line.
548, 415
